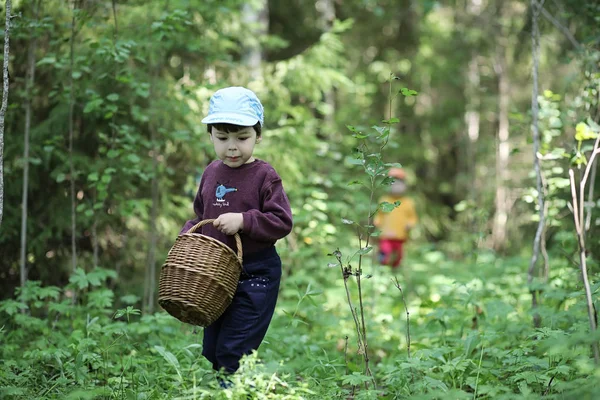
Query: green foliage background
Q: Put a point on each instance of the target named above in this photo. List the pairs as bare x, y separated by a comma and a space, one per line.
142, 74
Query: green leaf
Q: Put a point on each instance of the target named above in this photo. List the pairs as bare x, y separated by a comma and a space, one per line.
170, 358
112, 153
388, 207
79, 279
133, 158
112, 97
92, 105
60, 178
356, 379
365, 250
408, 92
47, 60
388, 180
356, 161
584, 132
11, 307
93, 177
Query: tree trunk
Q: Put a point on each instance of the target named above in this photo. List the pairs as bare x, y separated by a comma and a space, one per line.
30, 81
326, 11
71, 137
532, 271
150, 278
503, 149
151, 274
257, 18
4, 102
472, 120
95, 244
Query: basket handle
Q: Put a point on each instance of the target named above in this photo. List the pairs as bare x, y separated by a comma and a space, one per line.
236, 236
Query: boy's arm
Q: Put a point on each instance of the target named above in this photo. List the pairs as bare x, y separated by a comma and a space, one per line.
411, 214
274, 221
198, 209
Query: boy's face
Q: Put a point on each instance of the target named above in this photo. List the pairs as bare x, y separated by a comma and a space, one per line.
398, 187
235, 148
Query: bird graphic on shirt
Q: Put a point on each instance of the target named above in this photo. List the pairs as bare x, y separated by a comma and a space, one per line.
222, 191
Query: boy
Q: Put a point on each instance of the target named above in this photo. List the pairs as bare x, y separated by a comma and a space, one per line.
395, 225
244, 195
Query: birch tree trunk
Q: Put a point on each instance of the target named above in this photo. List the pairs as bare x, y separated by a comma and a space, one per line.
8, 8
30, 81
472, 120
531, 273
258, 20
503, 149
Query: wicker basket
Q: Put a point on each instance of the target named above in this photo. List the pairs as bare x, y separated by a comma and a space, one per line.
199, 277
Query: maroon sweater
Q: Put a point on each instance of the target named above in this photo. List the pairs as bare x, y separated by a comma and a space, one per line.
253, 189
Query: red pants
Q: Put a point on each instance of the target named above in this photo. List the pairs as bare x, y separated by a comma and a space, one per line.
390, 252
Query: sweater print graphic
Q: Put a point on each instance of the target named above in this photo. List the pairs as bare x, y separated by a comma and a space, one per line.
220, 193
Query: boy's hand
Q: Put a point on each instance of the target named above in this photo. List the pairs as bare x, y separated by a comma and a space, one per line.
229, 223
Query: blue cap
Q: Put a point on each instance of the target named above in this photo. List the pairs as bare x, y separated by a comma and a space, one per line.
234, 105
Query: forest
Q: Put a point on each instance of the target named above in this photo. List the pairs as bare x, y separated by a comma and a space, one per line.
490, 107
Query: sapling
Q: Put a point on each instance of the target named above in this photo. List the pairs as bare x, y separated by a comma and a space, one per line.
376, 175
585, 132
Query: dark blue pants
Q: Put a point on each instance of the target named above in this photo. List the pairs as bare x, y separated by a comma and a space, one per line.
242, 327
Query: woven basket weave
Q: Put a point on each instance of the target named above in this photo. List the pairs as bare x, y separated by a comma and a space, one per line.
199, 277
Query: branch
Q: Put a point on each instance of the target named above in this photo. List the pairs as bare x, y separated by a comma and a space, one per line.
575, 202
588, 216
397, 284
582, 184
559, 26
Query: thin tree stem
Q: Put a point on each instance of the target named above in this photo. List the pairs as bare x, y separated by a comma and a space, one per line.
582, 251
397, 284
589, 209
71, 138
536, 161
557, 24
590, 165
30, 80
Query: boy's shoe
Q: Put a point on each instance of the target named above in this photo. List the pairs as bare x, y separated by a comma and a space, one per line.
224, 383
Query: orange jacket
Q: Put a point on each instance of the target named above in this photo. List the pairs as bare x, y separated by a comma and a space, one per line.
397, 223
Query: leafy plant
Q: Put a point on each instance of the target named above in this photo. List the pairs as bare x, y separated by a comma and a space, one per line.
376, 174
